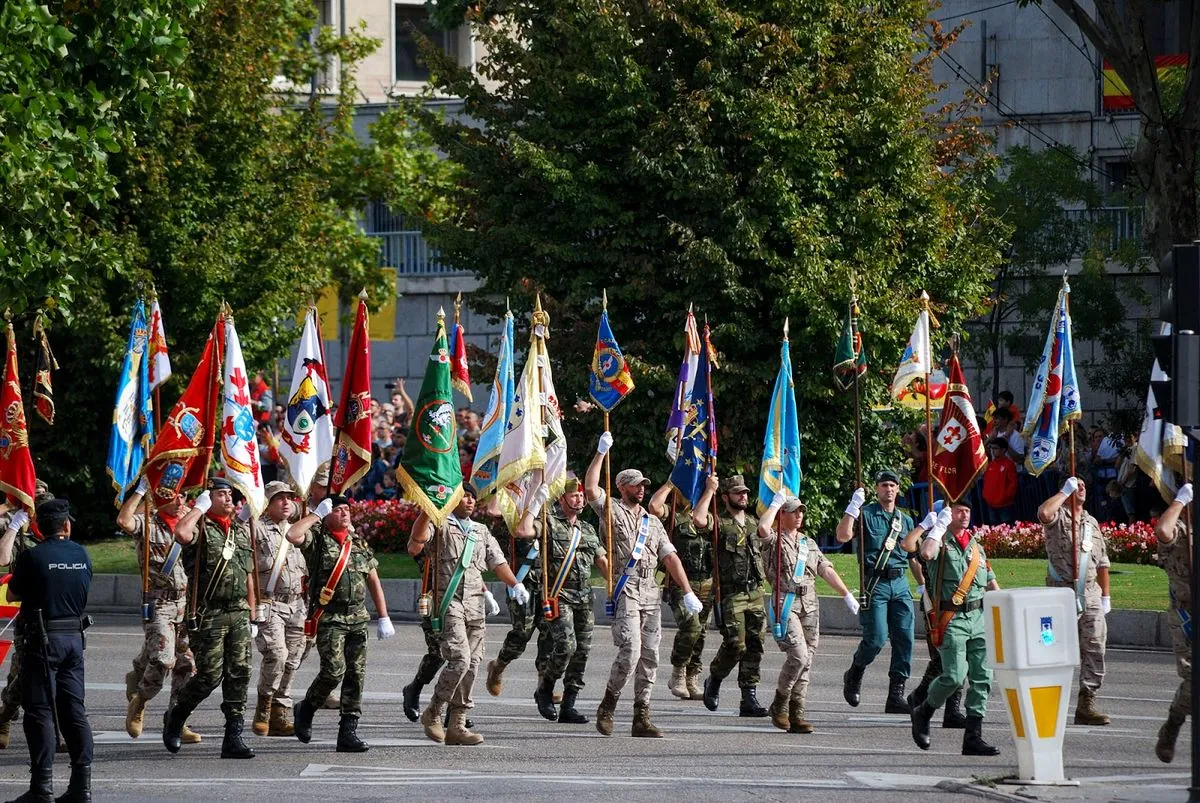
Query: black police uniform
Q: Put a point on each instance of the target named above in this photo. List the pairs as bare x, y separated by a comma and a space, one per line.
52, 582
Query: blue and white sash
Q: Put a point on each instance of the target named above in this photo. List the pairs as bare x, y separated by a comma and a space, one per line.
568, 563
523, 570
1085, 555
172, 556
635, 556
779, 628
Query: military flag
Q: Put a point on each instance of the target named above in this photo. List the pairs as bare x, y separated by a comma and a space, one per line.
18, 480
306, 434
429, 472
460, 372
132, 434
916, 377
495, 419
352, 419
160, 361
609, 381
1055, 401
1160, 444
43, 383
239, 431
179, 461
683, 385
958, 453
698, 443
850, 361
780, 469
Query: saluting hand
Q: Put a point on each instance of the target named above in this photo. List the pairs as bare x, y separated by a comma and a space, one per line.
1183, 497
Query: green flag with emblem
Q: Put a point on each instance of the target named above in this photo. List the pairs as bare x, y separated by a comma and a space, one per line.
850, 362
430, 473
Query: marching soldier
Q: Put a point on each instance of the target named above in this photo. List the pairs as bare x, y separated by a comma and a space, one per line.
463, 551
525, 618
165, 647
797, 562
281, 613
695, 553
965, 574
318, 489
740, 574
574, 547
1091, 588
342, 570
639, 543
953, 717
887, 613
1175, 555
218, 559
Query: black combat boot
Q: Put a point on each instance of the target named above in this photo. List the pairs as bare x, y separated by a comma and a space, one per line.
921, 716
80, 788
172, 730
567, 712
973, 743
750, 706
348, 741
233, 746
712, 692
954, 716
41, 787
917, 695
895, 700
852, 684
544, 697
302, 721
412, 701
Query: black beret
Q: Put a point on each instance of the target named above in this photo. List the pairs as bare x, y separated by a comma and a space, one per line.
219, 484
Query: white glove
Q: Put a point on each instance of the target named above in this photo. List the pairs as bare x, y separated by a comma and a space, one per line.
851, 602
605, 443
779, 498
386, 628
1070, 486
262, 612
323, 508
253, 630
520, 594
18, 520
1184, 497
856, 502
921, 591
943, 520
203, 502
540, 496
493, 607
244, 513
692, 604
936, 534
929, 520
1106, 605
142, 486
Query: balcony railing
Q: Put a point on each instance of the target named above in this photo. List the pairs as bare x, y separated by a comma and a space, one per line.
1120, 223
409, 254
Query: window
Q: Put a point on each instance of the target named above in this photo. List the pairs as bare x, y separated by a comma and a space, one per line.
412, 21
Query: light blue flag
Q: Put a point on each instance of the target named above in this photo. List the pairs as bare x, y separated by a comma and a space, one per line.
1055, 400
495, 421
781, 446
133, 415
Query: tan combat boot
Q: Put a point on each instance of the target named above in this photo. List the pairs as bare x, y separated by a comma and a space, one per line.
693, 685
604, 714
642, 726
131, 685
6, 719
495, 678
458, 733
796, 717
262, 715
678, 682
779, 711
431, 720
189, 736
134, 715
281, 721
1086, 712
1167, 734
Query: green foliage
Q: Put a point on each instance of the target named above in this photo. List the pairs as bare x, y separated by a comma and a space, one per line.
752, 158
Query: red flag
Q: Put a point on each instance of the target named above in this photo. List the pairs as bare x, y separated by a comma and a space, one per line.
184, 448
352, 419
958, 454
17, 479
43, 384
460, 377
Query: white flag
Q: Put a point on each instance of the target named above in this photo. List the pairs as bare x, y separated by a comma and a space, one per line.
160, 362
239, 431
1160, 444
916, 363
306, 437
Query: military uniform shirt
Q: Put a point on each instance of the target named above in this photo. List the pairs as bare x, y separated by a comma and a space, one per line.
270, 536
485, 555
577, 588
626, 523
878, 526
956, 560
695, 550
230, 591
738, 557
173, 585
814, 564
1058, 548
321, 551
1177, 563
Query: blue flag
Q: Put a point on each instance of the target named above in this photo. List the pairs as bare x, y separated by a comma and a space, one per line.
609, 381
133, 421
1055, 400
781, 446
495, 420
698, 445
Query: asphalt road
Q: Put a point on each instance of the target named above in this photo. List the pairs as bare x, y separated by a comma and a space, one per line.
854, 755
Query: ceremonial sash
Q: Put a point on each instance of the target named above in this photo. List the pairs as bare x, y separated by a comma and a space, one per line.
568, 562
464, 561
1080, 585
526, 564
937, 630
634, 557
326, 594
885, 554
277, 566
779, 628
172, 558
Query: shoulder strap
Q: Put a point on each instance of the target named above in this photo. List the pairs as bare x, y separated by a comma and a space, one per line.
464, 561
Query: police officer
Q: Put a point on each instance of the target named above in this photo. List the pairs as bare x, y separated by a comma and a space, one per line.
887, 612
52, 581
738, 564
1174, 553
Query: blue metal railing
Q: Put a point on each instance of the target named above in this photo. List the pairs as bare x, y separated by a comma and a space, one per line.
1120, 222
409, 254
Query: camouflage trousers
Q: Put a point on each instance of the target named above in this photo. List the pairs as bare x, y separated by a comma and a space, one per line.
165, 650
221, 645
1093, 637
526, 620
568, 640
462, 644
280, 641
1182, 703
10, 697
432, 660
342, 648
744, 620
688, 648
799, 646
636, 633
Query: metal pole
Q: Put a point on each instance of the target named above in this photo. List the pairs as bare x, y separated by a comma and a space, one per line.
1194, 525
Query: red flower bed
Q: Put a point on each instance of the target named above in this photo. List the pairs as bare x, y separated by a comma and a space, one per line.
1126, 543
385, 523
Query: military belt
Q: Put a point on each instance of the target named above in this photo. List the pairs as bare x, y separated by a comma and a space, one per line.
889, 574
966, 607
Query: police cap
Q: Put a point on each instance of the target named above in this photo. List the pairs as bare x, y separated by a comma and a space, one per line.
52, 514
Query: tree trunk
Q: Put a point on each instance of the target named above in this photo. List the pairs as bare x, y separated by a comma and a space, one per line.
1166, 161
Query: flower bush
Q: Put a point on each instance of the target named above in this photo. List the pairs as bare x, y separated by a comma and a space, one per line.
1126, 543
385, 523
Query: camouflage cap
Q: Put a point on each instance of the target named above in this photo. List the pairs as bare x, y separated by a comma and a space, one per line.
734, 484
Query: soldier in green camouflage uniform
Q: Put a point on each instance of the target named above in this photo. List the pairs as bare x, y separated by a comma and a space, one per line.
524, 620
1174, 554
341, 619
695, 552
743, 615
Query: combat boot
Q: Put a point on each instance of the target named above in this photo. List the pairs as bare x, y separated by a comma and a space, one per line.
495, 677
750, 706
642, 726
431, 720
917, 695
712, 692
304, 718
852, 684
41, 788
234, 746
1167, 734
134, 715
544, 697
1086, 712
172, 730
895, 700
604, 713
412, 700
281, 721
79, 790
693, 685
954, 716
973, 743
796, 717
7, 716
262, 715
348, 741
567, 712
189, 736
131, 685
779, 711
459, 733
921, 716
678, 682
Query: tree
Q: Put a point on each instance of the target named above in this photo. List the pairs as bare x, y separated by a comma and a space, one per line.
752, 158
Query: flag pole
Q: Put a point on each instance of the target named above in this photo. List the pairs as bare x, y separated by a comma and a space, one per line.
146, 499
777, 601
858, 522
712, 457
541, 359
1071, 461
608, 480
928, 410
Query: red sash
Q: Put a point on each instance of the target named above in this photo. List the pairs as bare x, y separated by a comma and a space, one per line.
310, 624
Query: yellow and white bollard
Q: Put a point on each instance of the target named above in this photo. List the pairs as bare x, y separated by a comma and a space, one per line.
1033, 649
